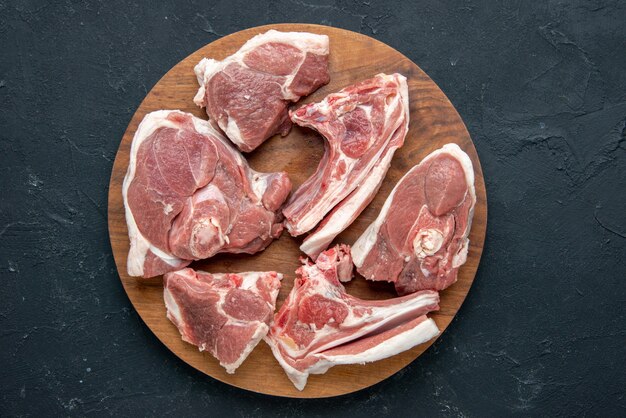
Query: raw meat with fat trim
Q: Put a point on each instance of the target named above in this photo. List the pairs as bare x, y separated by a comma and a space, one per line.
224, 314
420, 238
247, 94
320, 325
362, 125
189, 195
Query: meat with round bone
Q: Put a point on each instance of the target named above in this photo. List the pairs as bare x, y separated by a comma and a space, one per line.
189, 194
420, 238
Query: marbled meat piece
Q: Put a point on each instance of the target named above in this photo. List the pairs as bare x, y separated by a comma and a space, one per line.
247, 94
225, 314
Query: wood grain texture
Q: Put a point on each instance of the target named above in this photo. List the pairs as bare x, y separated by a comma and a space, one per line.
434, 122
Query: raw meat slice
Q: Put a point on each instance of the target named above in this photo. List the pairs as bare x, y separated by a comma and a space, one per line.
247, 94
224, 314
362, 125
420, 238
320, 325
189, 194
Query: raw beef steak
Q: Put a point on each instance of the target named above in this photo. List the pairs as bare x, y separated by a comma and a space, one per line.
247, 94
320, 325
224, 314
420, 238
189, 194
362, 125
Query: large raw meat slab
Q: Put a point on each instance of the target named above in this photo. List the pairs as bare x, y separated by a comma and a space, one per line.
420, 238
224, 314
189, 195
319, 325
362, 125
247, 94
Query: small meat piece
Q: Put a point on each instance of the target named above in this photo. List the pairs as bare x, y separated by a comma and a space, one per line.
362, 125
320, 325
224, 314
420, 238
189, 195
247, 94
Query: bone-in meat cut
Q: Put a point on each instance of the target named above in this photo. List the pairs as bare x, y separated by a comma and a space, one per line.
319, 325
362, 125
420, 238
189, 194
224, 314
247, 94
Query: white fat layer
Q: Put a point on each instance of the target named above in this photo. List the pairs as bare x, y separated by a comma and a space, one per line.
366, 241
258, 335
336, 189
259, 184
347, 211
198, 99
297, 377
249, 282
139, 245
329, 199
404, 93
204, 70
174, 315
173, 310
231, 129
420, 334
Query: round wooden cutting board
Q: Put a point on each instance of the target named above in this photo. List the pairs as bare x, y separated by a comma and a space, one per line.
434, 122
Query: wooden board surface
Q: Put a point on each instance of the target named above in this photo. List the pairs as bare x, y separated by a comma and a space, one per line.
434, 122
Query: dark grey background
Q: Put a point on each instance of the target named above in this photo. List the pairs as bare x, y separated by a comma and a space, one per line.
542, 89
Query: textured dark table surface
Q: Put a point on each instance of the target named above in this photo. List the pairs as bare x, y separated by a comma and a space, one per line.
542, 89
